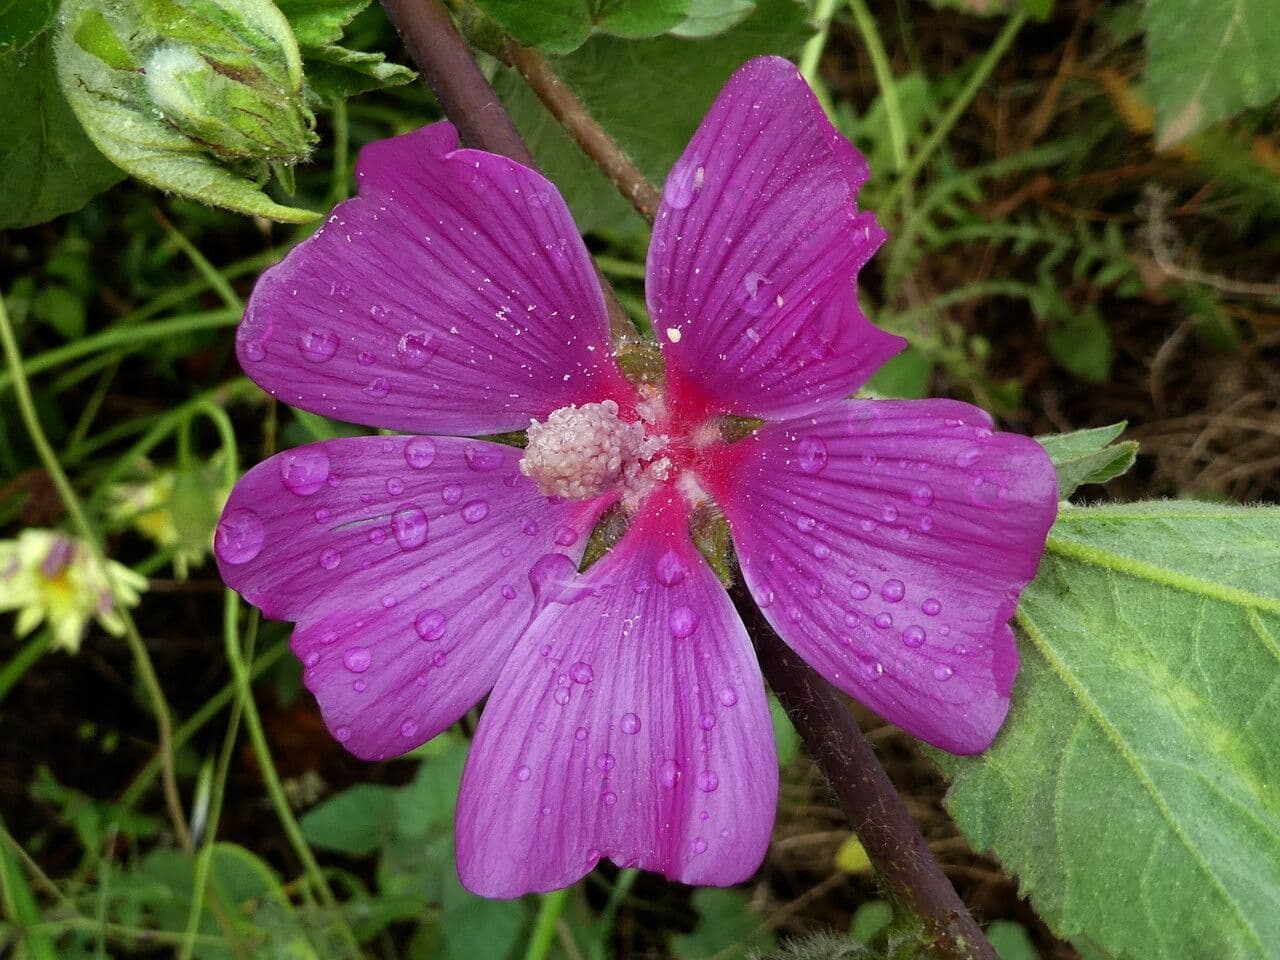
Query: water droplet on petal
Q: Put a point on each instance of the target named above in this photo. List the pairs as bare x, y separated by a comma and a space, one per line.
378, 388
668, 773
581, 672
629, 723
707, 721
609, 798
330, 559
683, 183
922, 495
708, 781
859, 590
408, 728
942, 673
931, 607
523, 773
913, 636
318, 346
451, 493
683, 622
475, 511
670, 570
239, 536
395, 486
561, 696
482, 457
254, 351
806, 524
566, 537
415, 349
342, 734
870, 669
728, 696
893, 590
968, 457
699, 845
811, 454
357, 659
409, 526
883, 620
420, 452
605, 762
304, 471
554, 578
430, 624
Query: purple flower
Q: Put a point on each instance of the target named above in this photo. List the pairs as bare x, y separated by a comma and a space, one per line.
886, 542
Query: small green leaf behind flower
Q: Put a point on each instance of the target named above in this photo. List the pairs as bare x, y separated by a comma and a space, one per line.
198, 97
1089, 456
332, 70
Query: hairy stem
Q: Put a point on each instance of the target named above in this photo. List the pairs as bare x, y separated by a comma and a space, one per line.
465, 95
573, 116
818, 711
868, 798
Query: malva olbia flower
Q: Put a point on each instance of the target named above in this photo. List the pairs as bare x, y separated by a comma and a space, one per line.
886, 541
49, 577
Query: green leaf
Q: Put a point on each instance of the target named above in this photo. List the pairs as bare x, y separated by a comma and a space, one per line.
333, 71
21, 21
50, 166
639, 18
784, 734
1132, 788
558, 26
216, 100
682, 75
1081, 343
428, 801
1210, 59
906, 375
710, 17
355, 821
474, 927
1011, 941
1088, 456
870, 920
727, 928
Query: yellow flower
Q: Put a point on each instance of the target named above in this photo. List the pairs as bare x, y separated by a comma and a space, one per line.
49, 576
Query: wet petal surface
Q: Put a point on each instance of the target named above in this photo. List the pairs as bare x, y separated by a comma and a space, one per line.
887, 543
755, 253
629, 723
454, 295
410, 564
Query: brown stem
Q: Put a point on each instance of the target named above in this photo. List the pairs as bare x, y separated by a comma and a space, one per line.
589, 135
870, 802
891, 839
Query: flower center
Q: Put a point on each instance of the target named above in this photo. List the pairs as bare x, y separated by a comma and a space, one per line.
584, 451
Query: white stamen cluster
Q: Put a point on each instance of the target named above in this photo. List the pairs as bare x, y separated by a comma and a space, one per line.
581, 452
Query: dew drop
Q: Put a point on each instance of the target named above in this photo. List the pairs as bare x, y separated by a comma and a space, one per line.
728, 696
420, 452
523, 773
699, 845
430, 624
811, 454
683, 183
670, 570
683, 622
870, 669
893, 590
859, 590
580, 734
942, 673
931, 607
303, 471
317, 346
342, 734
475, 511
554, 578
378, 388
922, 495
668, 773
322, 515
708, 782
581, 672
483, 457
566, 537
451, 493
395, 486
629, 723
707, 721
605, 762
415, 349
239, 537
806, 524
913, 636
254, 351
528, 526
561, 696
330, 559
883, 620
408, 728
409, 526
968, 457
609, 798
357, 659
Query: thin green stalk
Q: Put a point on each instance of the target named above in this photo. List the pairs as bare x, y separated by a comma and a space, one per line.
884, 79
130, 337
104, 895
212, 276
142, 659
626, 879
119, 931
23, 911
339, 188
27, 656
544, 927
210, 709
955, 110
811, 55
275, 791
617, 267
92, 406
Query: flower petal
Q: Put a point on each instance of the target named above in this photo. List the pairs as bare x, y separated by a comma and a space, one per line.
454, 295
887, 542
755, 254
406, 563
629, 723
